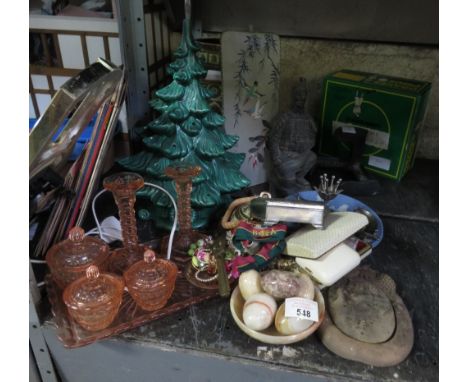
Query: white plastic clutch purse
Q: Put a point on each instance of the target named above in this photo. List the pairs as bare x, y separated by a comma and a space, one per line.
312, 243
323, 254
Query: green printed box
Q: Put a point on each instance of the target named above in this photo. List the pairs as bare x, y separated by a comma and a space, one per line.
391, 109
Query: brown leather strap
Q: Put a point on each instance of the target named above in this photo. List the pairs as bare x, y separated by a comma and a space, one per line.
230, 224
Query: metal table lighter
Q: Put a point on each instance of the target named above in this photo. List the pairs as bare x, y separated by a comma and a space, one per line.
271, 211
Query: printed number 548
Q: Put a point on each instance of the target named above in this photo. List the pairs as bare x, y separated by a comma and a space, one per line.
303, 312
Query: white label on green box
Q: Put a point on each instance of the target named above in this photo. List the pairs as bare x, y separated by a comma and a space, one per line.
345, 126
374, 138
349, 130
379, 162
377, 139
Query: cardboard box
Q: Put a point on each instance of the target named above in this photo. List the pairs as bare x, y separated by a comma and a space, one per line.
390, 109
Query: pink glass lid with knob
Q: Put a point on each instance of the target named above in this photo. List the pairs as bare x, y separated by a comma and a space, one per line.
94, 300
70, 258
151, 281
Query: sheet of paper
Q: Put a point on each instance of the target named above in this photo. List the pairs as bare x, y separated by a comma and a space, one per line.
301, 308
380, 162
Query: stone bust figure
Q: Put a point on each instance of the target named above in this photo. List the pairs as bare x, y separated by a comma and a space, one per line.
290, 139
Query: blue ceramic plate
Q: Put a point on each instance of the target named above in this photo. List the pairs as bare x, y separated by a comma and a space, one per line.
343, 203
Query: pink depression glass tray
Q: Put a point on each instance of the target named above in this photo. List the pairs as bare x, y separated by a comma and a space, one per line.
130, 315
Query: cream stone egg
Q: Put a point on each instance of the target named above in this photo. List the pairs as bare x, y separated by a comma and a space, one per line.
259, 311
249, 283
306, 287
290, 325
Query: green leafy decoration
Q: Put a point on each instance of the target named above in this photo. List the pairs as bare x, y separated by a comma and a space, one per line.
138, 162
193, 159
162, 125
228, 178
206, 92
192, 126
233, 160
193, 100
160, 198
157, 167
208, 144
158, 104
187, 44
174, 146
205, 195
213, 120
177, 111
195, 67
182, 75
177, 65
171, 92
227, 141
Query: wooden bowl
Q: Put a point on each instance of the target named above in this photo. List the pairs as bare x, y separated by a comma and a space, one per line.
271, 335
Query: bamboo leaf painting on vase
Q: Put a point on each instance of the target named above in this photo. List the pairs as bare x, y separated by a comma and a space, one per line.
250, 66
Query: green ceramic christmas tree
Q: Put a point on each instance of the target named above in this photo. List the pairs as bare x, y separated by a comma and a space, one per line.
187, 131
